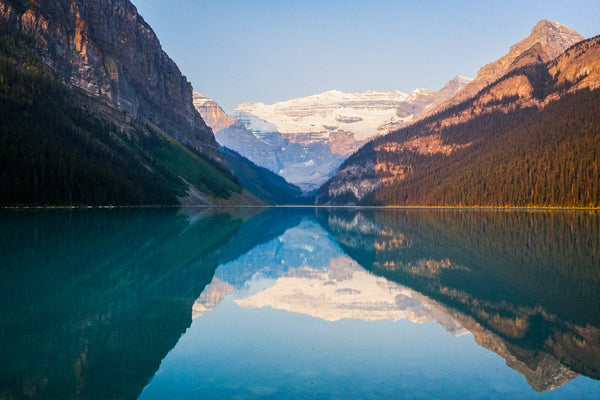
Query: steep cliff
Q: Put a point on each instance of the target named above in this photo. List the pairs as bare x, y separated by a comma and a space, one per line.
212, 113
95, 113
105, 49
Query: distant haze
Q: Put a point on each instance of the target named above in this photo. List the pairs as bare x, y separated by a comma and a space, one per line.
267, 51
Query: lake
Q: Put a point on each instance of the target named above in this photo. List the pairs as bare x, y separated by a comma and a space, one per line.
288, 303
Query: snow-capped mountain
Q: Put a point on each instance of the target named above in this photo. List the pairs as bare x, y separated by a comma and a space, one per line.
360, 115
304, 165
306, 139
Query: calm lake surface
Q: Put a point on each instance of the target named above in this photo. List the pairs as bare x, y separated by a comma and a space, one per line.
299, 303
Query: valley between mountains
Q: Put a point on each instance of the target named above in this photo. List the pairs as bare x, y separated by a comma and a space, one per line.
94, 112
523, 133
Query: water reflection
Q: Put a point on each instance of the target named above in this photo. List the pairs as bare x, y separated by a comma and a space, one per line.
91, 301
295, 303
490, 274
524, 283
304, 271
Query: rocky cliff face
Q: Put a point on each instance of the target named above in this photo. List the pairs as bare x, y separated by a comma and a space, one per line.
547, 41
212, 113
578, 67
106, 50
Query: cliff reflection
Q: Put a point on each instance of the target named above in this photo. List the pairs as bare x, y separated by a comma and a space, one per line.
524, 283
92, 300
96, 303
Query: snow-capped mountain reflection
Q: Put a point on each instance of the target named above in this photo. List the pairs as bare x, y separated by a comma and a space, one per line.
304, 271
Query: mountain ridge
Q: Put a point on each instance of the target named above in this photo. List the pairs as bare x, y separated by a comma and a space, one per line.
548, 39
107, 51
399, 168
362, 114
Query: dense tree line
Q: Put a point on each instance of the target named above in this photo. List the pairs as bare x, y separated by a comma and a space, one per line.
523, 158
54, 153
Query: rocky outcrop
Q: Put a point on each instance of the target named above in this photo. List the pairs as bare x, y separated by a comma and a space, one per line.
578, 67
106, 50
343, 143
350, 184
212, 113
535, 55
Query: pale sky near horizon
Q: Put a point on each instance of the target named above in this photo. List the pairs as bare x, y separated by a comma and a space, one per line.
273, 50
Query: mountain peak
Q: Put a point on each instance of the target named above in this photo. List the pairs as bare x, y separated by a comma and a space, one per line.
547, 40
554, 38
461, 79
545, 25
200, 99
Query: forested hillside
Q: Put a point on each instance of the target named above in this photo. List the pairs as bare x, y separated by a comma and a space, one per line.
524, 158
529, 139
53, 152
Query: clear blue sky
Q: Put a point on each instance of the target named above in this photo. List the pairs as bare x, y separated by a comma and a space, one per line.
261, 50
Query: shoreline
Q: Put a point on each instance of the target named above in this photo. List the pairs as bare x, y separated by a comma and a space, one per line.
483, 208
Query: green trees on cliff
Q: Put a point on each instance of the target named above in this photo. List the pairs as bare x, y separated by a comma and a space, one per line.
52, 152
523, 158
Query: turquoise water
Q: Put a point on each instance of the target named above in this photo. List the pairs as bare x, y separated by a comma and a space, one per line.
299, 303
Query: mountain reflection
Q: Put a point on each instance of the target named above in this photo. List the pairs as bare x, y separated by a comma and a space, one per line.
92, 300
305, 271
294, 303
524, 283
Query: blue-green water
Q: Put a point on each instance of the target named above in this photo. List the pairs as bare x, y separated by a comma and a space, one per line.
299, 303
